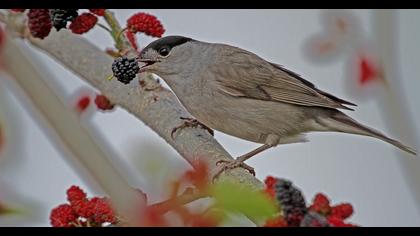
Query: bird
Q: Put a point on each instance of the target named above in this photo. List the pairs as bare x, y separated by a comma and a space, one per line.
238, 93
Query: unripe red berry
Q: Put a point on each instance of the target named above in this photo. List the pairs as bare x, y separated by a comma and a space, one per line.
83, 23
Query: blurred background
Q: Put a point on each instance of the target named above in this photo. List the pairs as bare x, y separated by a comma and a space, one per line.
339, 51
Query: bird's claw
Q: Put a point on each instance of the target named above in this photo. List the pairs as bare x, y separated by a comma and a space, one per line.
229, 164
191, 122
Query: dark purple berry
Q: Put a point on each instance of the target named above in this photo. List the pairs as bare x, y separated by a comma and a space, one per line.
60, 17
125, 69
291, 201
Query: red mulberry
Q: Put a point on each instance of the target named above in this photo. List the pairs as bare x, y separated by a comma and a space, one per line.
75, 193
103, 103
98, 12
83, 23
39, 23
145, 23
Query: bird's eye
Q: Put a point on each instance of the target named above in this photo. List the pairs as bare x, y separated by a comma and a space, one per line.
164, 51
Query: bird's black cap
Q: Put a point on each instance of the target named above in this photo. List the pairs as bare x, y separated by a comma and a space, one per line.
168, 41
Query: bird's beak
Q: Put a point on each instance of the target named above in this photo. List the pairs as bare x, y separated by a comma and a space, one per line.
147, 63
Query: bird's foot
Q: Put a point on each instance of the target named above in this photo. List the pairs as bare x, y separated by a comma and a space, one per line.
229, 164
191, 122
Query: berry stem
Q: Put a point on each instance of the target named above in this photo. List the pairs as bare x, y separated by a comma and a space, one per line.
185, 198
120, 33
104, 27
121, 41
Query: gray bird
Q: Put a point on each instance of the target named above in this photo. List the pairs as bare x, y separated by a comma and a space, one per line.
238, 93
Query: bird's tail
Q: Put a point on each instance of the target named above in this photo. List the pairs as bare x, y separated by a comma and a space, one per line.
340, 122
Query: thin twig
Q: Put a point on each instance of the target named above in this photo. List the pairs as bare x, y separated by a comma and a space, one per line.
104, 27
185, 198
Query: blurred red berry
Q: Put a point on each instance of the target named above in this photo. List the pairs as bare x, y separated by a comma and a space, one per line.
199, 220
62, 216
103, 103
338, 222
367, 70
98, 12
39, 22
276, 222
82, 103
145, 23
132, 39
18, 10
83, 23
321, 204
75, 193
342, 211
152, 217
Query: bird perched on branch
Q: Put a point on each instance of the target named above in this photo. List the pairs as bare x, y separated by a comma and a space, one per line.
238, 93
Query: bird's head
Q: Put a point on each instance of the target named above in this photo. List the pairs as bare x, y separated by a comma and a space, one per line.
166, 56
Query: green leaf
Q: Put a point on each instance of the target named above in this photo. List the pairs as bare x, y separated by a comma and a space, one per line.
234, 197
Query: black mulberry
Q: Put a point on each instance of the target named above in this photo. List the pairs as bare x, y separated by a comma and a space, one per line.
125, 69
60, 17
291, 201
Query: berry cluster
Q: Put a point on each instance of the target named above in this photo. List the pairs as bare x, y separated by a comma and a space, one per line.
40, 21
145, 23
294, 212
336, 214
82, 211
125, 69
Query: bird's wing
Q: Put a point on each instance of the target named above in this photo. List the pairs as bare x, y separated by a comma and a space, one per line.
250, 76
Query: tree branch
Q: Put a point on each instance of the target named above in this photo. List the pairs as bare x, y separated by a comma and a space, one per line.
158, 107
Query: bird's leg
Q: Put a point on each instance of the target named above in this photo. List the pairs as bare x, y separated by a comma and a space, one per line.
191, 122
239, 162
